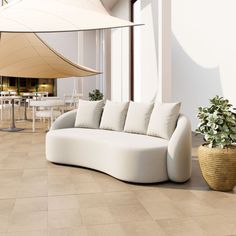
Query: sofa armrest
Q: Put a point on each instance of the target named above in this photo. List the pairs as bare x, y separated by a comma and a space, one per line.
179, 158
67, 120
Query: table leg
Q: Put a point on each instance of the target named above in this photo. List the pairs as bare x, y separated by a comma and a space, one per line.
13, 126
25, 118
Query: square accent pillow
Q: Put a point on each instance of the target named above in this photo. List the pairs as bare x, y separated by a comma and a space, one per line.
114, 114
138, 117
89, 114
163, 119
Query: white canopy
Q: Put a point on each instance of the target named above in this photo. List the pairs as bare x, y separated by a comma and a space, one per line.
57, 16
26, 55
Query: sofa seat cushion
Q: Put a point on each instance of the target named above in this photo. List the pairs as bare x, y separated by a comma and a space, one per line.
130, 157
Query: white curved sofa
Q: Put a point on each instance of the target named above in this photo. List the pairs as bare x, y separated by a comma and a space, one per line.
125, 156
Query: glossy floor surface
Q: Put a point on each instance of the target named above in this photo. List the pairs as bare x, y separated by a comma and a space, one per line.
38, 198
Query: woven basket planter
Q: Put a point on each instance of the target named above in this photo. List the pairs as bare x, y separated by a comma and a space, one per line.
218, 167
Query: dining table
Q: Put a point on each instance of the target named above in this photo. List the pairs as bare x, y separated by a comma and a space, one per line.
12, 99
49, 105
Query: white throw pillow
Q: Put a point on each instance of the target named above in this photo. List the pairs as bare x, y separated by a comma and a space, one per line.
138, 117
163, 120
89, 114
114, 114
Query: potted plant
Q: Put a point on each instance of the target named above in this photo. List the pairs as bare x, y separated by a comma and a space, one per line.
217, 157
95, 95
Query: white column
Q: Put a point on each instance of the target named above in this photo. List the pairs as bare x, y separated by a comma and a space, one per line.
97, 59
80, 81
100, 79
164, 49
120, 55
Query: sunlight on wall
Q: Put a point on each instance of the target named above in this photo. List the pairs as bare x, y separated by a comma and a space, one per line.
137, 53
204, 52
209, 32
146, 50
120, 55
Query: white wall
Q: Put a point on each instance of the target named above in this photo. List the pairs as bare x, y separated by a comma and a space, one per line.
90, 60
67, 45
107, 63
79, 47
203, 52
120, 55
152, 54
146, 50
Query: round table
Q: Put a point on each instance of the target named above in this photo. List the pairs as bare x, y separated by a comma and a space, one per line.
12, 127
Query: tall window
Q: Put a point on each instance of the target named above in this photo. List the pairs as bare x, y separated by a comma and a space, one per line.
136, 52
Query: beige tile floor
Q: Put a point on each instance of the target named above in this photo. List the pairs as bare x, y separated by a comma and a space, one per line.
38, 198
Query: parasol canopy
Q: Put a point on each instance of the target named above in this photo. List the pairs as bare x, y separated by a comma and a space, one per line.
26, 55
57, 16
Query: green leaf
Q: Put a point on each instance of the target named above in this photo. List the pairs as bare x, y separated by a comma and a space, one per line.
217, 122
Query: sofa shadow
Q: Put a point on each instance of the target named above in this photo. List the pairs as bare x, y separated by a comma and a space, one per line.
196, 182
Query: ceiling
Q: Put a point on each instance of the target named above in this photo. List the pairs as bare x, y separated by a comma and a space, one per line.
109, 3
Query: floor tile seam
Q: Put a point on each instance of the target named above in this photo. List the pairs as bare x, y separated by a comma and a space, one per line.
145, 210
205, 214
194, 215
31, 197
67, 195
11, 216
40, 230
11, 169
199, 216
22, 231
154, 202
112, 191
201, 227
166, 231
3, 199
118, 222
9, 231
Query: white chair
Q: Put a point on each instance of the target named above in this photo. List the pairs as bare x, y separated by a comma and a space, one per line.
27, 97
17, 102
72, 100
50, 98
43, 94
39, 95
5, 104
13, 93
5, 93
51, 110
